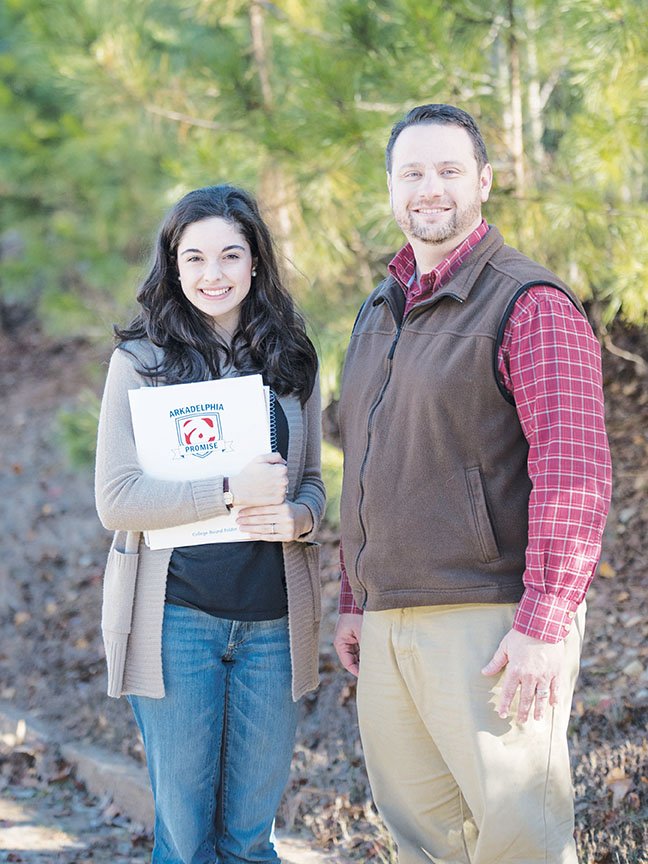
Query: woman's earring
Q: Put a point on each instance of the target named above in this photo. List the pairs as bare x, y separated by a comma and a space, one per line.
254, 272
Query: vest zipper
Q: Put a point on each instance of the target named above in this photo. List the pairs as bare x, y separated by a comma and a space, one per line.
390, 356
372, 412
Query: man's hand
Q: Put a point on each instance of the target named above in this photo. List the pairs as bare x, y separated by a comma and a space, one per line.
533, 666
347, 641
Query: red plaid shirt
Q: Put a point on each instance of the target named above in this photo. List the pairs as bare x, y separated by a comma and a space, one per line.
550, 361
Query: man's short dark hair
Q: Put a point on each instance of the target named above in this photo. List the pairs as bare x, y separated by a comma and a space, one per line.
446, 115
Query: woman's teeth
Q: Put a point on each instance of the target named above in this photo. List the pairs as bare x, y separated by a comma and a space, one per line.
215, 292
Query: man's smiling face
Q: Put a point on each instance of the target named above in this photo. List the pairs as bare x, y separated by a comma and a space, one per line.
435, 185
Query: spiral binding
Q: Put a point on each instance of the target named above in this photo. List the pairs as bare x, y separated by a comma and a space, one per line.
273, 423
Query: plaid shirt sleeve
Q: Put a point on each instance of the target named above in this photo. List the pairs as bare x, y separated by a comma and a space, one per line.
550, 361
346, 602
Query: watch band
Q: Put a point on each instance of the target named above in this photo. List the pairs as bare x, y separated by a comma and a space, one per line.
228, 497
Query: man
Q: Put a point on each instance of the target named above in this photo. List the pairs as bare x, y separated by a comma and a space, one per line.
476, 488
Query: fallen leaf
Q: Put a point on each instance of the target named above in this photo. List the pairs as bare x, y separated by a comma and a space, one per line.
626, 514
633, 669
606, 571
619, 784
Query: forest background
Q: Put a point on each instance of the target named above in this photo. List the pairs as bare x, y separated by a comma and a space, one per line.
110, 111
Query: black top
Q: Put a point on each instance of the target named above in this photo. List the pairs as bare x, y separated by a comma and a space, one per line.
242, 581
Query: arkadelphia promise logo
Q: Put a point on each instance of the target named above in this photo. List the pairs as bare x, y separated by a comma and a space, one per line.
199, 430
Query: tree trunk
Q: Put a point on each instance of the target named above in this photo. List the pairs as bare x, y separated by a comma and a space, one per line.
536, 125
517, 121
277, 191
260, 53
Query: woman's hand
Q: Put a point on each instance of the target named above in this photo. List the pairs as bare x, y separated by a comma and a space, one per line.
263, 481
278, 522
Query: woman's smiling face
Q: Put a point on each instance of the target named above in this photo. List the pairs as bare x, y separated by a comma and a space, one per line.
215, 268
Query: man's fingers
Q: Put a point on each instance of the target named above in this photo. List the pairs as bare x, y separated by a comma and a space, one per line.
346, 641
542, 695
533, 667
527, 695
351, 662
510, 685
349, 656
496, 663
532, 693
554, 690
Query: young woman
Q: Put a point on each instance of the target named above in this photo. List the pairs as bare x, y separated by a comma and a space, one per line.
215, 643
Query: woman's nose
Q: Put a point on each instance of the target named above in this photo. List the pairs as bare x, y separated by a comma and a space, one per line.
213, 271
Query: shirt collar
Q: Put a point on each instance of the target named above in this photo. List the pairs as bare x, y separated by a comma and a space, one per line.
403, 264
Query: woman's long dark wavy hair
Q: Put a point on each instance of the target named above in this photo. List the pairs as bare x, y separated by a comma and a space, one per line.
271, 335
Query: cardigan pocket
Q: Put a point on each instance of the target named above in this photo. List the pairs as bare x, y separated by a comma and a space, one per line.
119, 591
481, 516
312, 552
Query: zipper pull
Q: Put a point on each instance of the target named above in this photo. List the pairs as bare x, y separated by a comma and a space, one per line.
393, 345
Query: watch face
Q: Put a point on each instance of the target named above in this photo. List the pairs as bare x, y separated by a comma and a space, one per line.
228, 498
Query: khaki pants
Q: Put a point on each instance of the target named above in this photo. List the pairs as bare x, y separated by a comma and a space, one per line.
452, 780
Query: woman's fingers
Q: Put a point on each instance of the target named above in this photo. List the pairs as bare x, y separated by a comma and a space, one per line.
268, 522
263, 481
260, 512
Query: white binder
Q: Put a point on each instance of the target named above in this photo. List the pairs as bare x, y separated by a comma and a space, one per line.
196, 431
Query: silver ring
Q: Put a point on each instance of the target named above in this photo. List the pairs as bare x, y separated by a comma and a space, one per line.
542, 694
274, 527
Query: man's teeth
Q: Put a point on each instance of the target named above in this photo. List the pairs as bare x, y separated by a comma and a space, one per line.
432, 211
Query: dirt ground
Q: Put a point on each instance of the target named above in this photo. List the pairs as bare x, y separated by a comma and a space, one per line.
47, 817
51, 661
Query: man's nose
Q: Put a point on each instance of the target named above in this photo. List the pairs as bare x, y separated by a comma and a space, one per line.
431, 184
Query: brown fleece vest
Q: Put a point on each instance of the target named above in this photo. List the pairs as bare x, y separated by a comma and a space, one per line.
434, 506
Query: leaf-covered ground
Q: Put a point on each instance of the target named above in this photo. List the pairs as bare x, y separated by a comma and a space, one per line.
47, 817
51, 662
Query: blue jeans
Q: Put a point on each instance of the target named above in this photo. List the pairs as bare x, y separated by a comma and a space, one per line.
219, 744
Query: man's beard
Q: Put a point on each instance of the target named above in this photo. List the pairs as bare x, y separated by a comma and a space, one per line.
458, 222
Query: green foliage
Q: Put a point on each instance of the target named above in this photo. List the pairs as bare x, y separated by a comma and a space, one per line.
332, 462
77, 430
109, 112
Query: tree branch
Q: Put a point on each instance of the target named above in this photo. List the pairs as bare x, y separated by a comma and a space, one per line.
183, 118
640, 363
549, 86
361, 105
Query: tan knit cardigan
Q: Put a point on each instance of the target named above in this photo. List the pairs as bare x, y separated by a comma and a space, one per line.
128, 502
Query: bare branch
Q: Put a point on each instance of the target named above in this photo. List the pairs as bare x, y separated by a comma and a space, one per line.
640, 363
549, 86
183, 118
361, 105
